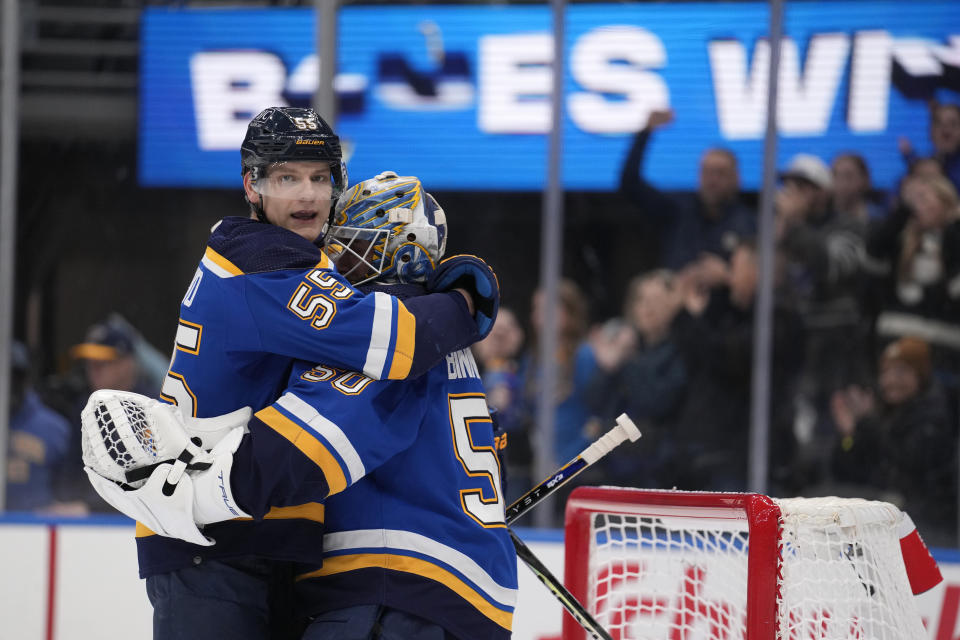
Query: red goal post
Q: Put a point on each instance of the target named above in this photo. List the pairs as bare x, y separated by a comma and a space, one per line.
683, 565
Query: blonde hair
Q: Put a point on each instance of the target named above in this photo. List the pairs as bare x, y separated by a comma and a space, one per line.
572, 308
570, 333
946, 193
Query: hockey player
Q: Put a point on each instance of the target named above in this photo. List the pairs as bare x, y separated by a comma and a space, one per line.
263, 295
417, 546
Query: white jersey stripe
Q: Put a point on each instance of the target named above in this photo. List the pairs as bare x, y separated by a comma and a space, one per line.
188, 337
216, 269
380, 336
331, 433
410, 541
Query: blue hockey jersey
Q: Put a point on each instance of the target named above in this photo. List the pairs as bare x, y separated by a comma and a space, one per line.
261, 297
421, 527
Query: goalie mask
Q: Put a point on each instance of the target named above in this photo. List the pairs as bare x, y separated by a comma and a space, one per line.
280, 135
387, 228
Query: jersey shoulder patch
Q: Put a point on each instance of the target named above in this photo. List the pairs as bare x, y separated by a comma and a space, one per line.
250, 246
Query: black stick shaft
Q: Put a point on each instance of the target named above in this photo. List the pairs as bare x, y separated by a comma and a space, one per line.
567, 599
624, 430
536, 495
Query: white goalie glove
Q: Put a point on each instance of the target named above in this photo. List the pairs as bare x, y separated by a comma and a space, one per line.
150, 463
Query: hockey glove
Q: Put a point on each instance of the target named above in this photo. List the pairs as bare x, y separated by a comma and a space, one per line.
172, 503
473, 274
167, 515
125, 435
213, 498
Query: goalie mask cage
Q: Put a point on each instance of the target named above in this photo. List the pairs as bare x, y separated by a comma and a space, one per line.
676, 565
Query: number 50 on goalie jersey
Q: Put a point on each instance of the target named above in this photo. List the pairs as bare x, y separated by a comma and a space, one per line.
420, 527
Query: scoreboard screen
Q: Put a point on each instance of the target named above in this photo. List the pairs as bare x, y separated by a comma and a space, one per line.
460, 95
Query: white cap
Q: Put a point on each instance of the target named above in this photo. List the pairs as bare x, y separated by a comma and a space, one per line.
804, 166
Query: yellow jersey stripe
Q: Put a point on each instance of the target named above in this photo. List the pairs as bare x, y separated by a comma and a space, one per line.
340, 564
225, 265
313, 511
406, 341
337, 441
309, 445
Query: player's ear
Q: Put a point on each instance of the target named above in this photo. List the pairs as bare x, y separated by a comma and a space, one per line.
252, 196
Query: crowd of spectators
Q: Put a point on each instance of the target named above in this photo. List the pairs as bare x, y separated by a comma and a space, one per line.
865, 376
44, 468
865, 366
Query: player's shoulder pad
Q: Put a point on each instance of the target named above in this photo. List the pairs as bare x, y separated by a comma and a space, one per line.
254, 247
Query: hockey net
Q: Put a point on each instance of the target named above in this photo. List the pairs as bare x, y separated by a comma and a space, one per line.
678, 565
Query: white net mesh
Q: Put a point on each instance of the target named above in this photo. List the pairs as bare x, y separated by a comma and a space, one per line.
843, 575
663, 576
680, 573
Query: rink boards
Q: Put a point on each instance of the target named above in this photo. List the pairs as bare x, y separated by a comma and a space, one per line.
66, 579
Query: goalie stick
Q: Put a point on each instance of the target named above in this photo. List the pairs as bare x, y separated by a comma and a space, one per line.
624, 430
567, 599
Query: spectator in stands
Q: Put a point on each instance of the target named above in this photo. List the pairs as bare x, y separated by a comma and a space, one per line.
108, 361
575, 365
922, 167
823, 251
152, 363
640, 372
852, 189
926, 167
715, 335
689, 225
945, 138
899, 446
37, 442
498, 356
914, 258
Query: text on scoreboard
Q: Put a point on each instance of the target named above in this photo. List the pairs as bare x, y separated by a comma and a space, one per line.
460, 95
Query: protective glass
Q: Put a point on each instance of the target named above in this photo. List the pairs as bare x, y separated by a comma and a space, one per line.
299, 180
